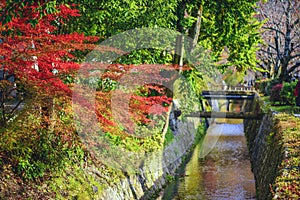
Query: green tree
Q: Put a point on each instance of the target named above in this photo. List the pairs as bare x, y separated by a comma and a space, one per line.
212, 24
218, 24
107, 18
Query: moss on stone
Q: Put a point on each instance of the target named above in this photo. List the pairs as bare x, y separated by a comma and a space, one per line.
287, 184
274, 146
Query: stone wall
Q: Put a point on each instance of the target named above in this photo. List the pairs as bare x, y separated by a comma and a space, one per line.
265, 153
269, 147
158, 167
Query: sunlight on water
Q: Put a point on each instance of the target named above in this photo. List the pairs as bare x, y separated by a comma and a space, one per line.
213, 134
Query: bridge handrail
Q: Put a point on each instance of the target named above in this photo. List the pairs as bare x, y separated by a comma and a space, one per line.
232, 88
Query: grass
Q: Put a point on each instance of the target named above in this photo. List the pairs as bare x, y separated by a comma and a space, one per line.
289, 109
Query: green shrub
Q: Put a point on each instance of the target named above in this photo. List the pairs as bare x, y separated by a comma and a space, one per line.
287, 92
34, 144
169, 136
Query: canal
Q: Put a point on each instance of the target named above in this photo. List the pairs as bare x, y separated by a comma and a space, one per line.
219, 168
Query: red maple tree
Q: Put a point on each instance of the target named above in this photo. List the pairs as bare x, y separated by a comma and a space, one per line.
145, 93
41, 59
34, 52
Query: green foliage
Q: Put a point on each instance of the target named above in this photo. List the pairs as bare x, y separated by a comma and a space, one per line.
233, 77
170, 178
231, 24
75, 183
106, 85
201, 131
99, 84
288, 92
34, 148
150, 138
169, 136
107, 18
290, 109
226, 23
185, 93
146, 56
200, 72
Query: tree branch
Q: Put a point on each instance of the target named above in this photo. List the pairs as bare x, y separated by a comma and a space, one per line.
15, 108
273, 29
296, 22
272, 47
268, 52
291, 69
297, 46
295, 56
197, 28
262, 66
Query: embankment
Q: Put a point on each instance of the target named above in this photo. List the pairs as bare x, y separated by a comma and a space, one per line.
274, 147
157, 169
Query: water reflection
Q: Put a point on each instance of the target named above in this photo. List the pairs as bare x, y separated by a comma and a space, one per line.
224, 173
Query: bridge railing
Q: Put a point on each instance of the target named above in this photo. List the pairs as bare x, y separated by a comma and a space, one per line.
232, 88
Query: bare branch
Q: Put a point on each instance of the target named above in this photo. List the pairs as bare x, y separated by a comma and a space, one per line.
295, 56
296, 22
296, 46
295, 66
273, 29
268, 52
15, 107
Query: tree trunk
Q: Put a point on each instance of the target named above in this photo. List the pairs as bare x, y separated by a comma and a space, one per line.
287, 46
179, 40
2, 107
196, 29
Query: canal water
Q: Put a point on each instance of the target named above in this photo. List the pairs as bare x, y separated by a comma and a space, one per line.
218, 169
